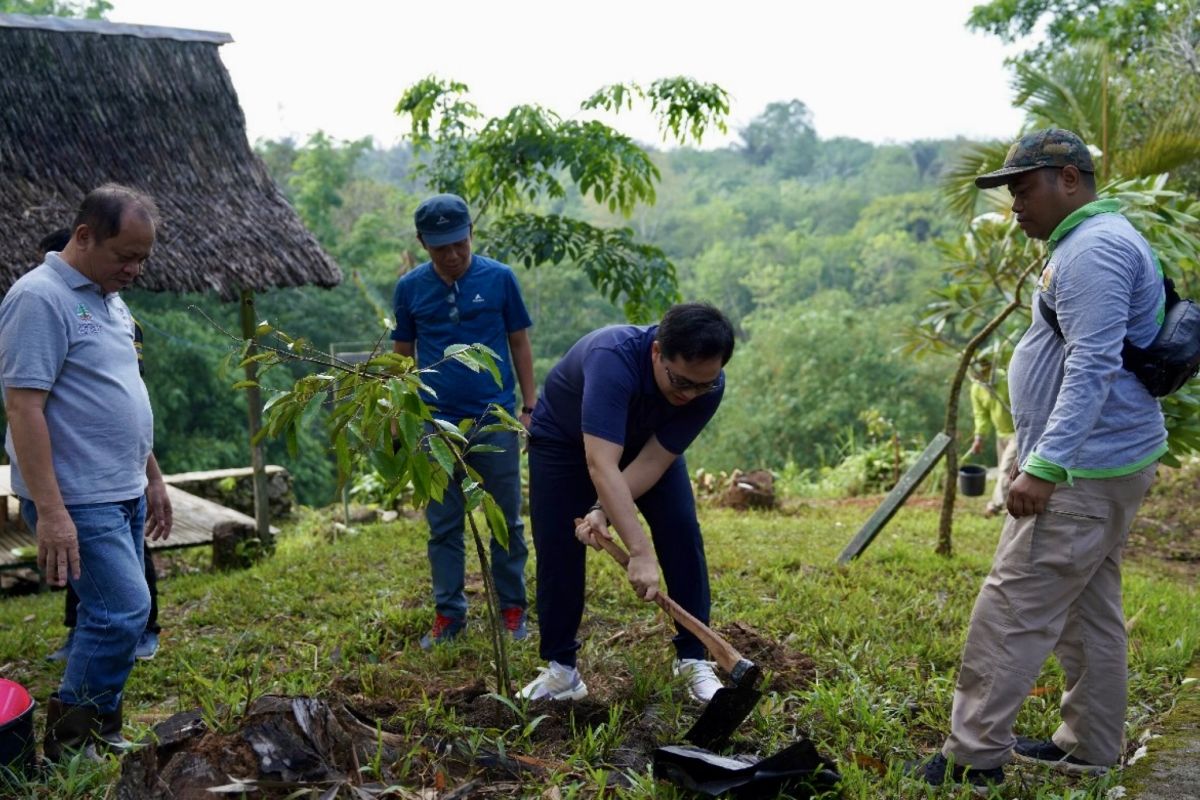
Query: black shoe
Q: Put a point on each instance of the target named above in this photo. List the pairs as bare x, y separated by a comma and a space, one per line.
1048, 754
936, 771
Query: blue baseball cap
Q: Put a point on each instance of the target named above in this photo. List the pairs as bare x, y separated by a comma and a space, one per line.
443, 219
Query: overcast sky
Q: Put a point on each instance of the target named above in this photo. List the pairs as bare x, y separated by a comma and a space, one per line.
880, 70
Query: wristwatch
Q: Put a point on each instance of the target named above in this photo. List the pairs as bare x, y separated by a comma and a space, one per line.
526, 409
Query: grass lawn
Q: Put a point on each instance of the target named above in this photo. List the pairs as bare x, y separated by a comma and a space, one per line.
861, 659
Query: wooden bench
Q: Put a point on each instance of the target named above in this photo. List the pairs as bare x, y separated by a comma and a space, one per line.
195, 521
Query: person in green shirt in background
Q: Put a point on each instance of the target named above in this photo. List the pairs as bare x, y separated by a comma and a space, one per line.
993, 412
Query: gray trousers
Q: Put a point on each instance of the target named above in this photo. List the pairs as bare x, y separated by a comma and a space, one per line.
1055, 586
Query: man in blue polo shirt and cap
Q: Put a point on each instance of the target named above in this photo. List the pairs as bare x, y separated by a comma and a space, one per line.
459, 297
616, 415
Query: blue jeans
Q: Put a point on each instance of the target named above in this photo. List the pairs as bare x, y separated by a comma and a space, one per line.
114, 601
501, 473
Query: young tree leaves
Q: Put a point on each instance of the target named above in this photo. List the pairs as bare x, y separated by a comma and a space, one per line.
507, 163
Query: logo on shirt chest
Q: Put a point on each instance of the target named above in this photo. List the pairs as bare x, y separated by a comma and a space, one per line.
1046, 278
87, 323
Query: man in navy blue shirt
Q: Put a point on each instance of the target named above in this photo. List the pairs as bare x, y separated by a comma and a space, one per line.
615, 417
458, 297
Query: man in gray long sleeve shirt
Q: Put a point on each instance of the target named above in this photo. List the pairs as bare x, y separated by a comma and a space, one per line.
1089, 437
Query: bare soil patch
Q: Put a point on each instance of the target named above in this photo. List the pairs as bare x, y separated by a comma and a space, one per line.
790, 669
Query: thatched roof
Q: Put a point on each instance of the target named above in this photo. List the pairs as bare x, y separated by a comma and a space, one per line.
86, 102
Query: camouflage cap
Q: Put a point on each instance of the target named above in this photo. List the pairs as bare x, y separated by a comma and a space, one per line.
1052, 147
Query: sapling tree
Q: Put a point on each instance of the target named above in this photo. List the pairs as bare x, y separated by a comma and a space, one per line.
988, 270
378, 420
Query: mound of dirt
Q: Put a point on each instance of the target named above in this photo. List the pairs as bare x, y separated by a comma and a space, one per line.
746, 490
790, 669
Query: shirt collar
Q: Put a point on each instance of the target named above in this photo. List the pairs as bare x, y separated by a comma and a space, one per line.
1076, 217
461, 278
72, 277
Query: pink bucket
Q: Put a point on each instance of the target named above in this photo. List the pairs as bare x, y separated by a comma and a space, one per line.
16, 729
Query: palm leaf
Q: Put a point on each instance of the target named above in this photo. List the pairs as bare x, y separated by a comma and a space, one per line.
1173, 141
958, 189
1073, 91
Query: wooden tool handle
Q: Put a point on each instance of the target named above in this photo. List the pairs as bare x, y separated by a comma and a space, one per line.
726, 656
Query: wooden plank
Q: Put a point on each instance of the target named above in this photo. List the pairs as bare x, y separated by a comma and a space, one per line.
12, 539
195, 519
900, 492
217, 474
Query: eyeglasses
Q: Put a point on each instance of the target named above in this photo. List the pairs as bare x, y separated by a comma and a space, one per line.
452, 299
685, 385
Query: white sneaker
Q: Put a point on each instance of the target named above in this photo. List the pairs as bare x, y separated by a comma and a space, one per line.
702, 681
556, 682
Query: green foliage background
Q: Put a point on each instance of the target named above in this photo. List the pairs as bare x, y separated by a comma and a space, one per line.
819, 271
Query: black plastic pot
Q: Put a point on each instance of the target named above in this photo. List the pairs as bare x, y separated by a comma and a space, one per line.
972, 479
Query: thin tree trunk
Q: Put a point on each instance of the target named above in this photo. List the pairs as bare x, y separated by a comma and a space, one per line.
262, 511
945, 545
495, 622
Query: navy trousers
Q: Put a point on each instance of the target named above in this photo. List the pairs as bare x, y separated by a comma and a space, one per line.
560, 489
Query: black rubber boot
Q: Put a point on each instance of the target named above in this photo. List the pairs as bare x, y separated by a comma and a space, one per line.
68, 728
110, 730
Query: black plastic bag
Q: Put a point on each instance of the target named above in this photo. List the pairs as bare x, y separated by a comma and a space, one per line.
799, 770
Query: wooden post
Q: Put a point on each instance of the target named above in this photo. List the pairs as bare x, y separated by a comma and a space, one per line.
262, 509
895, 498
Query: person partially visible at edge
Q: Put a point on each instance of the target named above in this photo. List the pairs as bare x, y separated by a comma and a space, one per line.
460, 297
993, 413
80, 433
617, 413
1089, 436
147, 645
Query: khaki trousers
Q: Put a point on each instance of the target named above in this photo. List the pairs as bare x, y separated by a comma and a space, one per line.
1006, 446
1055, 586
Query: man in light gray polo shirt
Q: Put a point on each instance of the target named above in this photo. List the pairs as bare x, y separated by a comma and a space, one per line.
1089, 436
79, 438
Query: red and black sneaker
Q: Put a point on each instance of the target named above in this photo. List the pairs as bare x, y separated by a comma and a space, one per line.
445, 629
514, 621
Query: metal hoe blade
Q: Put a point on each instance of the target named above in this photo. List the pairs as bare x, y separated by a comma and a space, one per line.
721, 717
